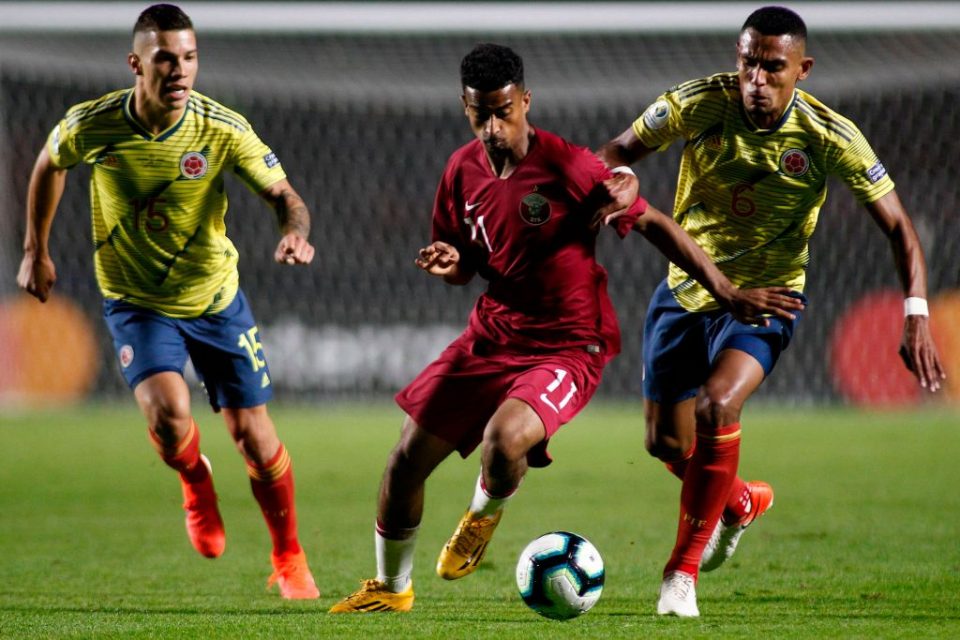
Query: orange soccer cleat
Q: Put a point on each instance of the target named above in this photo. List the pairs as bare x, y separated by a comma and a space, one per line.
292, 575
723, 542
204, 524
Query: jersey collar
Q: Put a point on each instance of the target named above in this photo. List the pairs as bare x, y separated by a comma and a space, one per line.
140, 130
765, 132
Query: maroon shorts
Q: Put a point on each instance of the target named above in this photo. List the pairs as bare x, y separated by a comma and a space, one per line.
458, 393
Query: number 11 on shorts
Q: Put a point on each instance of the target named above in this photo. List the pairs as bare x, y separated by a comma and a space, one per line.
553, 386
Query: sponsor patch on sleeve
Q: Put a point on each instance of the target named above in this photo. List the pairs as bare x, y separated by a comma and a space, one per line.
656, 115
56, 141
876, 172
271, 160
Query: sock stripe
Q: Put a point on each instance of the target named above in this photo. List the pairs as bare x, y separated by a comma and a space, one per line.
717, 437
273, 470
177, 448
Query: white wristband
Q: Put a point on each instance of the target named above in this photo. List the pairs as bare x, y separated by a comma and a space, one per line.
623, 169
915, 307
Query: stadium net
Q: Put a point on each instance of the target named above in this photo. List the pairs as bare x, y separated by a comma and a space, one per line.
363, 123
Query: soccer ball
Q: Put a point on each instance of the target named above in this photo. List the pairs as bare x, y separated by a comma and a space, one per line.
560, 575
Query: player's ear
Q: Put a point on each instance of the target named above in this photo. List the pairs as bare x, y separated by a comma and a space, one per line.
526, 100
806, 64
133, 61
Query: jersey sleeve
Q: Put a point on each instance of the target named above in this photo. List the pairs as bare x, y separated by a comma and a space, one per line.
861, 170
684, 111
255, 163
661, 123
585, 178
63, 145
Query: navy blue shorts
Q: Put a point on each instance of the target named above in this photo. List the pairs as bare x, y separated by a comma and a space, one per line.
224, 347
680, 347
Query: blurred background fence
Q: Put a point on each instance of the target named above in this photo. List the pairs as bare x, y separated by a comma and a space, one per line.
363, 118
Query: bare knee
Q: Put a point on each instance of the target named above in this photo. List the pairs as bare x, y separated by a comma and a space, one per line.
717, 406
415, 456
168, 414
666, 446
670, 433
253, 433
504, 445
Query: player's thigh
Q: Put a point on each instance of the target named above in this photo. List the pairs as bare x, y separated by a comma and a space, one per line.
455, 395
675, 350
145, 342
735, 377
227, 354
558, 386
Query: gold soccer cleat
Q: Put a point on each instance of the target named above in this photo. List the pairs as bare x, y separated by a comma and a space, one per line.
373, 596
466, 548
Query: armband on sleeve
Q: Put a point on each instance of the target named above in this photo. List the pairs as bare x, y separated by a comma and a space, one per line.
625, 222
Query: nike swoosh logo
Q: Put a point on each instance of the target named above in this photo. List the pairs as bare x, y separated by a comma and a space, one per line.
470, 207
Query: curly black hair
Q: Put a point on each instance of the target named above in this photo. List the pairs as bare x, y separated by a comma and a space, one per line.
489, 67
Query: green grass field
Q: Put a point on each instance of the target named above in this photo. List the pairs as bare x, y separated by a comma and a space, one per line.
863, 542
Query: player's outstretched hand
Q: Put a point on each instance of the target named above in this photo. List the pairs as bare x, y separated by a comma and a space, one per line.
919, 352
622, 189
294, 249
439, 259
37, 275
753, 306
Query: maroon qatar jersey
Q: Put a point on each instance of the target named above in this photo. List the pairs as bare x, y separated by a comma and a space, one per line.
529, 236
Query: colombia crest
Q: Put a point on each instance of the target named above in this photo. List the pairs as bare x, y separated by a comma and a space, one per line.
193, 165
534, 209
794, 162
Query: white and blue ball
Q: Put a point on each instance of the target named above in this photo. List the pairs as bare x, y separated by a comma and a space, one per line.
560, 575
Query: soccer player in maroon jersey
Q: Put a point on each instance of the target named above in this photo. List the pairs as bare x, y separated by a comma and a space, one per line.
515, 206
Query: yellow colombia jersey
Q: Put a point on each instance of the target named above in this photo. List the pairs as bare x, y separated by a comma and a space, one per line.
158, 202
751, 197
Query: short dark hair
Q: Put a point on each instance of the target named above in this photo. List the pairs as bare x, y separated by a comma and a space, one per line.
162, 17
489, 67
776, 21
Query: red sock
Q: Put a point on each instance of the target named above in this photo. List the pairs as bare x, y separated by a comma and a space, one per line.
738, 502
272, 485
184, 455
706, 485
679, 466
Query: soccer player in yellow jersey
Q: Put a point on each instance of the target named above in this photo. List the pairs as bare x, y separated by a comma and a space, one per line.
168, 273
752, 179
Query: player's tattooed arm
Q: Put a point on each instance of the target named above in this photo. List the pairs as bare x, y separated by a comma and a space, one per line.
294, 219
37, 273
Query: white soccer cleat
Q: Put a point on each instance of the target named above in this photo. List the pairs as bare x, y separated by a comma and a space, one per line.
678, 596
725, 537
